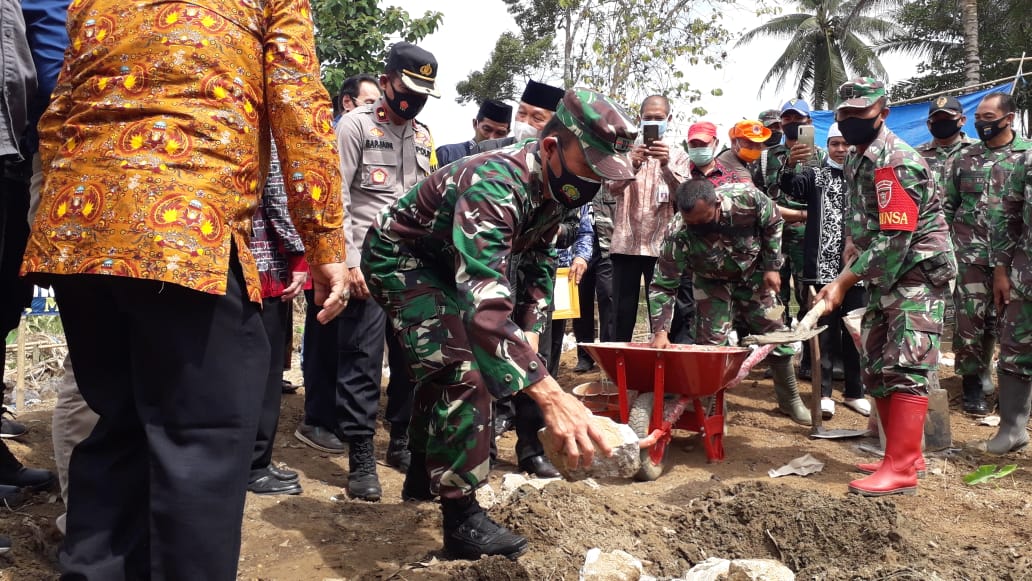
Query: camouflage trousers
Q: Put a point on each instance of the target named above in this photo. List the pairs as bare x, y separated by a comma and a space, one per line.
719, 305
792, 271
451, 412
1016, 337
901, 332
976, 317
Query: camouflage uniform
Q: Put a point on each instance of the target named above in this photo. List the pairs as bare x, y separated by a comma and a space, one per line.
728, 263
905, 256
937, 156
967, 204
1012, 249
438, 261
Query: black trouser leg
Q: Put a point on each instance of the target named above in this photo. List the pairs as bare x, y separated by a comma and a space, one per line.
15, 293
320, 368
627, 281
555, 346
604, 295
527, 422
275, 320
400, 388
157, 489
584, 326
359, 367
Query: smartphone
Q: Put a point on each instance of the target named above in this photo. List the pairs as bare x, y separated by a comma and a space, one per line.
806, 134
650, 133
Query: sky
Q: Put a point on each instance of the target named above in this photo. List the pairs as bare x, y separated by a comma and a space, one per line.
469, 30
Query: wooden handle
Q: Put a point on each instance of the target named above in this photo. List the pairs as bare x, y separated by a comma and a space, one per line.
815, 312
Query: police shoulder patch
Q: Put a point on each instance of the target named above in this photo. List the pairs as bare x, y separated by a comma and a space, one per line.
896, 209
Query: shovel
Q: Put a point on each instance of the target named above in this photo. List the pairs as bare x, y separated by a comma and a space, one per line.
816, 428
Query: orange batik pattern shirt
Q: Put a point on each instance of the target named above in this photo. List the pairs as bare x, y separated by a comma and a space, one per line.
155, 146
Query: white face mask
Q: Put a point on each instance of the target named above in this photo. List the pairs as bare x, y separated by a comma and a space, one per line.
834, 164
522, 130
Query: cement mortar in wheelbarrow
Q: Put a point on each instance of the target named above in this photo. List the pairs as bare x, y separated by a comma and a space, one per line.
668, 383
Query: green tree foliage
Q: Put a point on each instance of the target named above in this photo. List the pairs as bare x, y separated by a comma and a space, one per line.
353, 36
933, 30
625, 48
512, 63
829, 42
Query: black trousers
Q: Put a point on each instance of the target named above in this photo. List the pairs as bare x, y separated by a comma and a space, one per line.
628, 271
838, 346
275, 319
343, 368
15, 293
596, 282
176, 376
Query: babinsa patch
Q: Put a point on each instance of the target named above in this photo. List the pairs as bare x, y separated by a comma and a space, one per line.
896, 210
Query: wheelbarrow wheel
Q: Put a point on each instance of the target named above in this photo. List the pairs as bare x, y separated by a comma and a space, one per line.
638, 419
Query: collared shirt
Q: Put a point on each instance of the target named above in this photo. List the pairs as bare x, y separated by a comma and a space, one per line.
936, 155
45, 22
717, 175
154, 149
19, 79
730, 160
897, 219
1012, 226
583, 244
827, 194
379, 162
645, 205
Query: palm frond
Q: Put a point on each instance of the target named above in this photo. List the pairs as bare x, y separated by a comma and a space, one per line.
781, 26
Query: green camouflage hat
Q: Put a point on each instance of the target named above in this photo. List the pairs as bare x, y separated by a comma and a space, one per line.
860, 93
606, 132
770, 117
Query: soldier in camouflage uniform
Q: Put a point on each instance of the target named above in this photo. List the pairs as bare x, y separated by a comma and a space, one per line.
898, 241
773, 173
730, 238
437, 260
968, 201
945, 120
1012, 290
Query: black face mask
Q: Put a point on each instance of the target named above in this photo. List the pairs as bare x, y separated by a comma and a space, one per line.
705, 229
858, 131
568, 188
990, 129
791, 130
775, 138
944, 128
405, 105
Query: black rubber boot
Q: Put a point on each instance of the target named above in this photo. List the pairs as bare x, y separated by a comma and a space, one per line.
470, 534
1015, 403
363, 482
974, 397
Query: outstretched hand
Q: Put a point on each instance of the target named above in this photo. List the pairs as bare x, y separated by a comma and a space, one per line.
569, 422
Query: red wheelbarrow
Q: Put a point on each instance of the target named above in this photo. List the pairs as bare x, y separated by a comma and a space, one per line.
669, 382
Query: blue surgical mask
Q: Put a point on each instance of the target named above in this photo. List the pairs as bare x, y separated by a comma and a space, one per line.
834, 164
700, 156
661, 124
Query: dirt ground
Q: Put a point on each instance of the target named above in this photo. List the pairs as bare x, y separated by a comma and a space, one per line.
695, 510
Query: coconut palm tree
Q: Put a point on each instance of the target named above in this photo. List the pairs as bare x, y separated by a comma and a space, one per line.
830, 41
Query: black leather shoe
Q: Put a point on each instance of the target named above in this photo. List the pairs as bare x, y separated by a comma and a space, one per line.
363, 482
11, 429
11, 497
584, 366
479, 535
5, 544
320, 439
263, 482
398, 455
538, 466
288, 387
284, 474
32, 479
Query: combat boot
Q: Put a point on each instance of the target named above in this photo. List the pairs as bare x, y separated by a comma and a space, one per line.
974, 396
363, 482
787, 391
469, 533
398, 454
904, 429
1015, 401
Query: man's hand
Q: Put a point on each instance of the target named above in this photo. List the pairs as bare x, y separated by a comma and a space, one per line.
331, 282
660, 151
832, 295
359, 290
577, 269
1001, 288
772, 281
850, 252
638, 155
800, 153
569, 422
297, 284
660, 340
533, 339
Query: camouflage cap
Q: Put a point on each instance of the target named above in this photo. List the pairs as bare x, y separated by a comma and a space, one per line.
605, 131
860, 93
770, 117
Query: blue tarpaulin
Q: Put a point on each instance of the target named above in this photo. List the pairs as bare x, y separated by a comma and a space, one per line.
908, 121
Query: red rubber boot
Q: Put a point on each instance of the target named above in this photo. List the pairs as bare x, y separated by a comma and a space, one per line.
903, 431
884, 405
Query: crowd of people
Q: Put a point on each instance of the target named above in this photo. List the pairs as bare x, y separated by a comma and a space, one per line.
182, 192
